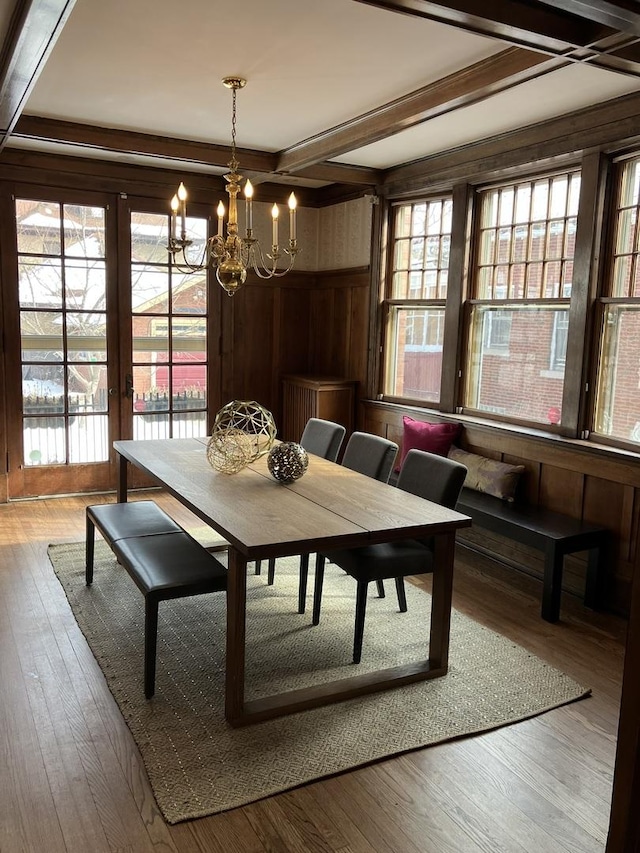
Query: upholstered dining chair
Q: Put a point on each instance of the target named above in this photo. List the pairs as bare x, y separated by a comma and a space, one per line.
427, 475
370, 455
322, 438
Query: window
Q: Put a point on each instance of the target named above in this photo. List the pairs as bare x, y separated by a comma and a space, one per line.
521, 292
617, 411
420, 248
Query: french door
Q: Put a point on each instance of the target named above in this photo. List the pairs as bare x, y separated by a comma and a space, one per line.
104, 339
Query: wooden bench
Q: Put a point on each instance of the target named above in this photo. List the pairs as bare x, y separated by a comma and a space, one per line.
163, 560
550, 532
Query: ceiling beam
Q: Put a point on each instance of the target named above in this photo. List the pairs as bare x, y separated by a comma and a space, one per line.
111, 140
557, 139
468, 86
623, 15
526, 23
33, 30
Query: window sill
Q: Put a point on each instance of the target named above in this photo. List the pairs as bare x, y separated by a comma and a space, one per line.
587, 446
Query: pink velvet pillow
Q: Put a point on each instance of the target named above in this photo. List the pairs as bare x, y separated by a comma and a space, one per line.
434, 438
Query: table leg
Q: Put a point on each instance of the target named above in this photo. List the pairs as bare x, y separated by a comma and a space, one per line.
236, 605
441, 593
122, 479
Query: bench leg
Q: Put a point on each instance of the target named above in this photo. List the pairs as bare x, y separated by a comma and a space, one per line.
150, 641
595, 590
90, 542
258, 567
271, 571
552, 583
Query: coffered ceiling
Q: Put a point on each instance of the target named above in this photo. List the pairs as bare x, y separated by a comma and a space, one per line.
338, 91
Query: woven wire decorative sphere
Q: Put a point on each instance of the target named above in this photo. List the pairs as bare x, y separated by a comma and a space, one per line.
243, 431
287, 461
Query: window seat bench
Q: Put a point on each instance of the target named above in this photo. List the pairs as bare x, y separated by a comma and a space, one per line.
552, 533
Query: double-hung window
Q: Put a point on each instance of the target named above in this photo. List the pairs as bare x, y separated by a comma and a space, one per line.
420, 246
521, 291
618, 388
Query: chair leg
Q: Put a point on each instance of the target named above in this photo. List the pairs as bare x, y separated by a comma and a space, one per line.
361, 608
302, 586
271, 571
258, 567
402, 597
317, 589
150, 641
89, 551
380, 586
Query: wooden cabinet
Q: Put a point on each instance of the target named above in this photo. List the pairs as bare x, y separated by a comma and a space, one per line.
326, 397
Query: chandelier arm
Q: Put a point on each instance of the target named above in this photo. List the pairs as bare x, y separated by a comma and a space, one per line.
178, 249
255, 259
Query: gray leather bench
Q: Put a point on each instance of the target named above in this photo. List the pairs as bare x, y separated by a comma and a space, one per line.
122, 521
161, 558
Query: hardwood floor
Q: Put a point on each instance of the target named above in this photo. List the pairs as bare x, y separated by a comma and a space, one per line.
71, 779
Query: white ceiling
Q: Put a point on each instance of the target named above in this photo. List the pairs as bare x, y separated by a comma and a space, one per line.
155, 66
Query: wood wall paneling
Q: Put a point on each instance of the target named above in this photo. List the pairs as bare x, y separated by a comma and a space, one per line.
561, 490
359, 344
253, 343
313, 325
321, 332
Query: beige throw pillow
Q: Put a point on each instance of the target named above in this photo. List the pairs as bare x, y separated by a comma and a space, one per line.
488, 475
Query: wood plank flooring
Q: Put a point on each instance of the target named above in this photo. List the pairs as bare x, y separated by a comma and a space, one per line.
72, 781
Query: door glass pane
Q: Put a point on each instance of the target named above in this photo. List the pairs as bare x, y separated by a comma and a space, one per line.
41, 335
64, 350
39, 282
87, 337
38, 227
85, 285
84, 231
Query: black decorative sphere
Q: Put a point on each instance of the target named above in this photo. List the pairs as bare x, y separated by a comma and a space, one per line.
287, 461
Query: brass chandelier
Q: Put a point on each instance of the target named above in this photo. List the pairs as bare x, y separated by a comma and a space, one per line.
231, 256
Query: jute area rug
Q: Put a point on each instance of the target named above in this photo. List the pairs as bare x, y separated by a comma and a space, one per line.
198, 765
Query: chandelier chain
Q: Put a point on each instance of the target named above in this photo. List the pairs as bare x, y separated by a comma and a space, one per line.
234, 161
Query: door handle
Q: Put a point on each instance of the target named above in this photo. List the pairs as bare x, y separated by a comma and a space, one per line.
128, 385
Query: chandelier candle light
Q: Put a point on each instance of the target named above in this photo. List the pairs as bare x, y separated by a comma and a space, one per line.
232, 256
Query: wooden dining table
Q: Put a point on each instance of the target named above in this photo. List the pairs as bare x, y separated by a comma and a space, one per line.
329, 507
